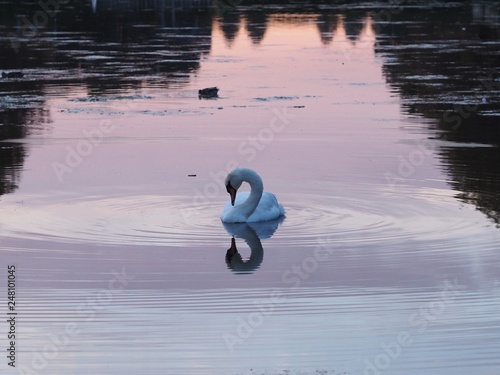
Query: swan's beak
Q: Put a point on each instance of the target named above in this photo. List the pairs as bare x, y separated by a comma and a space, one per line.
232, 192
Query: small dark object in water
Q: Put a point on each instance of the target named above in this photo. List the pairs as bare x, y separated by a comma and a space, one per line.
209, 92
191, 175
12, 75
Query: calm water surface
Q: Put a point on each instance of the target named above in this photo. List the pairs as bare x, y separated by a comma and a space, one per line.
375, 126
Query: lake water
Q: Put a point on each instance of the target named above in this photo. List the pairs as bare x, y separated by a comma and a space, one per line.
375, 125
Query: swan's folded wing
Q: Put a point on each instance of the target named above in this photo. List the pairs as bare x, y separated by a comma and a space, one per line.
268, 208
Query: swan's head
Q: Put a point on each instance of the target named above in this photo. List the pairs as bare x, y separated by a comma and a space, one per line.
239, 175
233, 183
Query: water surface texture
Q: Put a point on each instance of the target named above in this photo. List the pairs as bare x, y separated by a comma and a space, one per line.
375, 124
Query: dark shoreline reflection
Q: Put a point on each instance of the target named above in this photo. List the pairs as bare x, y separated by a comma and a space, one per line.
112, 48
252, 234
115, 48
448, 71
12, 157
16, 124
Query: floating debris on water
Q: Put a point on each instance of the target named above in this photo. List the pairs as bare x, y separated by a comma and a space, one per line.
209, 92
268, 99
91, 99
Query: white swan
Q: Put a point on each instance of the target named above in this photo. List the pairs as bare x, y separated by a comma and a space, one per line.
249, 207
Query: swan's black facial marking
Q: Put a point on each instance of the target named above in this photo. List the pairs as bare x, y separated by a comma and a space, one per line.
232, 192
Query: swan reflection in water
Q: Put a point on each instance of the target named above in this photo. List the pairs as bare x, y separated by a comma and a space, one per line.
252, 234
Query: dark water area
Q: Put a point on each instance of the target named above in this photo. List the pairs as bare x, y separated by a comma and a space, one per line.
374, 123
447, 70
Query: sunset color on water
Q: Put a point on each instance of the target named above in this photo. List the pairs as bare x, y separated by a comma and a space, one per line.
249, 188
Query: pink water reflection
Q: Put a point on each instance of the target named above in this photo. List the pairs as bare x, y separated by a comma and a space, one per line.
311, 111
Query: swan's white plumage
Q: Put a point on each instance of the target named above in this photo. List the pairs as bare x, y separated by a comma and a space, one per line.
268, 209
248, 206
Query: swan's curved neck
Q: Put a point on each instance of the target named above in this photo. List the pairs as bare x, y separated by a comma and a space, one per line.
256, 186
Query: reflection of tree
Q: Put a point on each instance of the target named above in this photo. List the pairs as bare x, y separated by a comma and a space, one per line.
256, 25
327, 24
477, 179
445, 71
354, 23
11, 154
120, 46
115, 46
230, 25
134, 45
16, 124
11, 160
257, 19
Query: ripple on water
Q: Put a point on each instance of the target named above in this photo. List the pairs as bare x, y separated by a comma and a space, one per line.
133, 220
390, 218
156, 220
